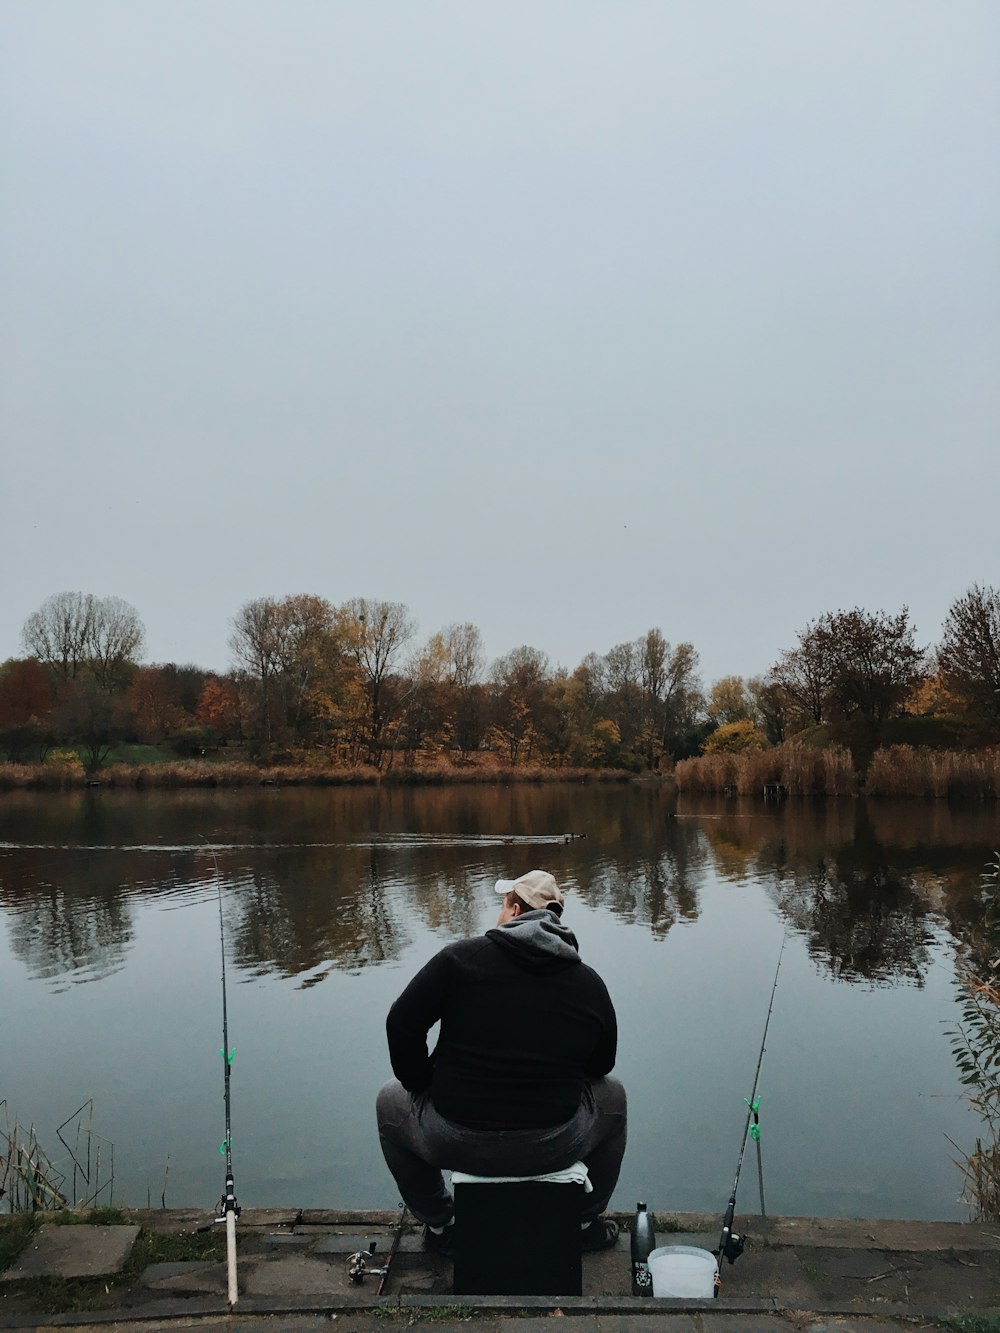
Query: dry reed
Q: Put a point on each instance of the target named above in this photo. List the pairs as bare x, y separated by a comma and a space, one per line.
195, 773
802, 771
902, 770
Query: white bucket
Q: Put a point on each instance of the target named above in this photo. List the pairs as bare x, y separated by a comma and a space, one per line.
683, 1270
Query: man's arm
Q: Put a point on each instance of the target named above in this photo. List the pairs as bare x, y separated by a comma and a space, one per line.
602, 1058
411, 1018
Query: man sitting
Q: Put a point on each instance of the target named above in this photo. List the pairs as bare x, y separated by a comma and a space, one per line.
517, 1084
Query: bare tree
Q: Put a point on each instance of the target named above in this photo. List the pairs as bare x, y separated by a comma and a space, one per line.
969, 654
465, 654
74, 633
682, 698
58, 633
805, 674
116, 641
256, 646
466, 662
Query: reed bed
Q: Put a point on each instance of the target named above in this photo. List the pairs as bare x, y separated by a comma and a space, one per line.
192, 773
902, 770
799, 769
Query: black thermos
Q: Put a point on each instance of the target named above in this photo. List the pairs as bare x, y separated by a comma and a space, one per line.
643, 1244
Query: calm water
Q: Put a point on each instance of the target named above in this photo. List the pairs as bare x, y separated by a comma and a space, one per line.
110, 979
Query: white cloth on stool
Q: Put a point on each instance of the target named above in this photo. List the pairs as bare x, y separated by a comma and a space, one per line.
575, 1174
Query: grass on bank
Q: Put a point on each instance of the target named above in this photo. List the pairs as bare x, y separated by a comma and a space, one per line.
55, 1295
67, 775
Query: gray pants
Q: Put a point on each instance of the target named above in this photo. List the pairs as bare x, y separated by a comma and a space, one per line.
417, 1143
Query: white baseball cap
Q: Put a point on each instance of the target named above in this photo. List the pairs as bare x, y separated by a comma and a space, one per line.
537, 888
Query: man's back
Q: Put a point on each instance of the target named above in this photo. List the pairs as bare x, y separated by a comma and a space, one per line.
524, 1025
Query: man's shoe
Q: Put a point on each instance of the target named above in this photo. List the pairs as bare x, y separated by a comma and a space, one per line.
444, 1243
600, 1235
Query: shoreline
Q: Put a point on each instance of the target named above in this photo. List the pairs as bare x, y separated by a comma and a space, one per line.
797, 1273
193, 774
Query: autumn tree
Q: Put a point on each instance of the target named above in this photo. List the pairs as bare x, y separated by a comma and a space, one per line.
591, 738
155, 710
874, 662
218, 707
851, 665
681, 701
771, 707
730, 700
622, 676
26, 702
375, 635
289, 649
92, 717
423, 698
804, 674
735, 738
517, 689
969, 654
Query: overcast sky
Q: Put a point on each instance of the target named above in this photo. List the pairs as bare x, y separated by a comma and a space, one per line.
565, 318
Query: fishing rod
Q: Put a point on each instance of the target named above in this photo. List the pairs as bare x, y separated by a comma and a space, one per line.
730, 1246
228, 1207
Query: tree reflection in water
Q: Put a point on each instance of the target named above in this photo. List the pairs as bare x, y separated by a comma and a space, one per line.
854, 879
67, 918
316, 882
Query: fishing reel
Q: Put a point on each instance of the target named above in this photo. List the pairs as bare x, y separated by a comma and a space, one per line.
734, 1247
357, 1265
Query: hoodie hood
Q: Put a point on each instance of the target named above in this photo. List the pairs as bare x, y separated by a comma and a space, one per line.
538, 941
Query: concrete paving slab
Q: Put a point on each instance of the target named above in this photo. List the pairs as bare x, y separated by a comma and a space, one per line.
171, 1221
419, 1273
968, 1286
153, 1274
194, 1279
339, 1244
883, 1234
384, 1217
295, 1273
73, 1251
769, 1275
851, 1324
712, 1322
616, 1323
270, 1217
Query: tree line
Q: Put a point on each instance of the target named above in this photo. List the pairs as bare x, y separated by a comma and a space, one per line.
351, 684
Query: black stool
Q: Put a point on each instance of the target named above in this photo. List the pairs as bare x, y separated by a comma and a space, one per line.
517, 1237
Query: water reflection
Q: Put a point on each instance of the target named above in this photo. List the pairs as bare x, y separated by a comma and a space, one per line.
324, 881
854, 879
73, 935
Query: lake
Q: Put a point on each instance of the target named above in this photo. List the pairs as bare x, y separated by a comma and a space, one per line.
110, 985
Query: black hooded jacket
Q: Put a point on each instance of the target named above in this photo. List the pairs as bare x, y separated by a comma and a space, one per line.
524, 1024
